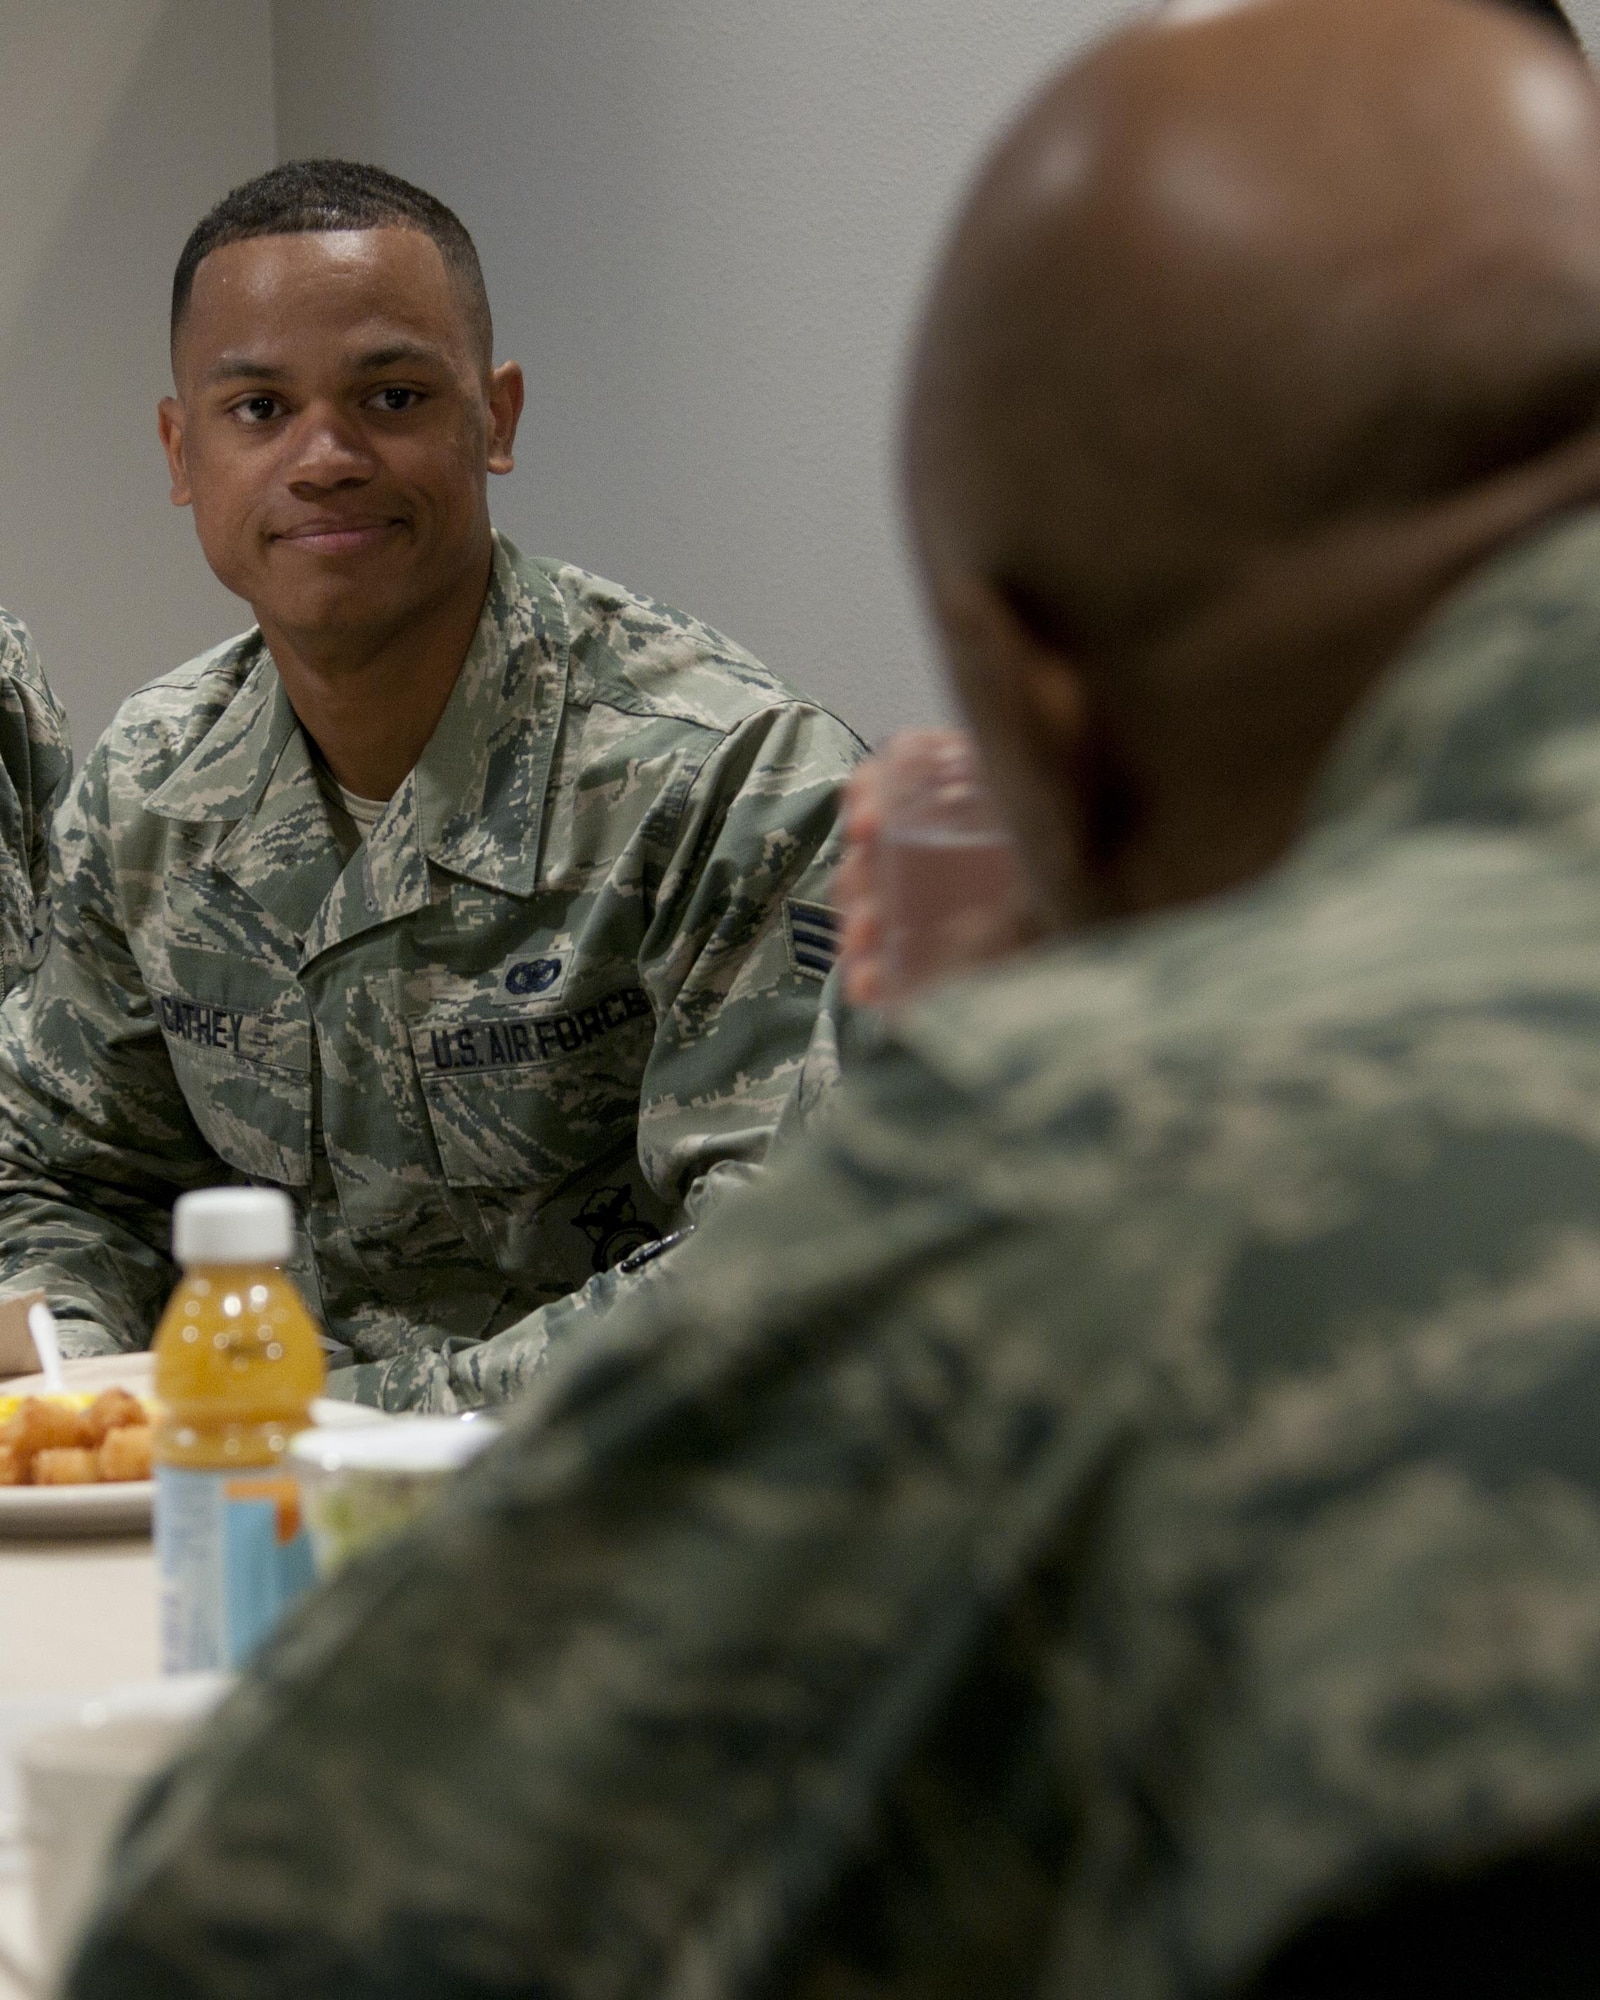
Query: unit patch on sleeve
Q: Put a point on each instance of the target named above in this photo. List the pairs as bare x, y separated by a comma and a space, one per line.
813, 932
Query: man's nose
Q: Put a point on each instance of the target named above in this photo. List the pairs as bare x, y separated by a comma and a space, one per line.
326, 449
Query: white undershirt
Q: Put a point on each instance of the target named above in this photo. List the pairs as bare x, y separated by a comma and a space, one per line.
353, 816
365, 812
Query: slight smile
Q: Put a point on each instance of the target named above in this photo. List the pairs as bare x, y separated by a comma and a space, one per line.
336, 538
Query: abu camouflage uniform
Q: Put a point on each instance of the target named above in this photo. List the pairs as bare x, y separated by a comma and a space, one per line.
1126, 1483
35, 765
570, 973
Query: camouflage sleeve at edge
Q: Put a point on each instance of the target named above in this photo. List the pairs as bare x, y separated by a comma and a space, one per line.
95, 1138
35, 765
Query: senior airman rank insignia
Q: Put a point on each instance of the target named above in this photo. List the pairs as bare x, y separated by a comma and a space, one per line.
813, 934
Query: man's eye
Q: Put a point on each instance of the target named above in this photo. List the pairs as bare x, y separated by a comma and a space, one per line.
397, 399
257, 409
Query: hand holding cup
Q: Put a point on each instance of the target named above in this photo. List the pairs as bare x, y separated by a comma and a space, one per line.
929, 885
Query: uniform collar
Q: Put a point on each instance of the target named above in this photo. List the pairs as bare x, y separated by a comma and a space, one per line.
1491, 716
480, 783
473, 805
225, 774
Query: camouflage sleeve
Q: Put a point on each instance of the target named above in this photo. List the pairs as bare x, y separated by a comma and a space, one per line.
498, 1370
740, 943
738, 965
35, 765
473, 1375
95, 1138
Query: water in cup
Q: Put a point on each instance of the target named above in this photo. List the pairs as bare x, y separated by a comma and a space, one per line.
951, 884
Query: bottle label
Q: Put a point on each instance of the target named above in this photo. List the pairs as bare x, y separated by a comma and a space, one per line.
233, 1554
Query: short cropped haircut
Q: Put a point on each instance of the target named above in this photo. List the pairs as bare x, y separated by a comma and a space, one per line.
312, 196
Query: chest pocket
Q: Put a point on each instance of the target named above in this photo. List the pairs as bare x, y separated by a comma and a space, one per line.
527, 1100
247, 1081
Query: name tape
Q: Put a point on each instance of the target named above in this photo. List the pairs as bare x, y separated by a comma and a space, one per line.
193, 1021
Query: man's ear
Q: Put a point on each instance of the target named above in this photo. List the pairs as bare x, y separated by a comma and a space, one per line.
170, 422
505, 412
1027, 706
1016, 688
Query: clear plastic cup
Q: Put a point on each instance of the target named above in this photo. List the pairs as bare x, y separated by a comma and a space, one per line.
78, 1783
952, 889
360, 1486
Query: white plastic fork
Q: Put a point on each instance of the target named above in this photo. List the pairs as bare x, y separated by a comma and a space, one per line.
46, 1344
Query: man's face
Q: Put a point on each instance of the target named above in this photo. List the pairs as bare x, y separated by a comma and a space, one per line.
333, 427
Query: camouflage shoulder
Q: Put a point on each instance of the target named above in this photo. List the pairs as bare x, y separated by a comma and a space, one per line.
20, 668
646, 658
33, 723
156, 727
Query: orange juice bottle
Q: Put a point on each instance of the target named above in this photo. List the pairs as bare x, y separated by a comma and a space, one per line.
238, 1363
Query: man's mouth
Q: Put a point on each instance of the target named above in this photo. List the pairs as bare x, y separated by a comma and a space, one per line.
336, 537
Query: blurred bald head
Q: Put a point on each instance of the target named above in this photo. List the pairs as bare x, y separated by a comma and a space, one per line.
1261, 326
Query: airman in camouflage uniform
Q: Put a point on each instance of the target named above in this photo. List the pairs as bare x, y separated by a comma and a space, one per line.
35, 765
567, 979
474, 901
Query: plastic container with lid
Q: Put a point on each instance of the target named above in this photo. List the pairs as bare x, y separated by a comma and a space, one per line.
361, 1486
237, 1367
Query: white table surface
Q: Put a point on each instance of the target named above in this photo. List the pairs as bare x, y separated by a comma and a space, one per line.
76, 1617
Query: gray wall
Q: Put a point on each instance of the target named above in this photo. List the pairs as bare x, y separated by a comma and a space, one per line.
120, 121
705, 224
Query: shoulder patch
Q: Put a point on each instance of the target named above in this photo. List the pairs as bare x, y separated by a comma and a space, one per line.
813, 933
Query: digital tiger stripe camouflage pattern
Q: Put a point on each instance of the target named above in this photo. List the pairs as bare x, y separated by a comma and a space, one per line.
35, 767
1126, 1482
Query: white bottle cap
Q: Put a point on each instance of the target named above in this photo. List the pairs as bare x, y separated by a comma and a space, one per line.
232, 1225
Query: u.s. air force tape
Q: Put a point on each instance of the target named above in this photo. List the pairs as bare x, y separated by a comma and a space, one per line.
538, 1038
813, 933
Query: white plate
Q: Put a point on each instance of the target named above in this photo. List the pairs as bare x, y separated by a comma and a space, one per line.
119, 1509
123, 1507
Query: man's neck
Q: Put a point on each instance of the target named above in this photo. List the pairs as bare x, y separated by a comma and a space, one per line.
1274, 674
371, 701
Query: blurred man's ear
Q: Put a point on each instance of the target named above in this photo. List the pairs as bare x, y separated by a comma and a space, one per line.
1026, 704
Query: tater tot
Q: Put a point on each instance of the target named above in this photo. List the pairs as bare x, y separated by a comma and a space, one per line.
40, 1425
13, 1467
111, 1410
127, 1453
65, 1466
